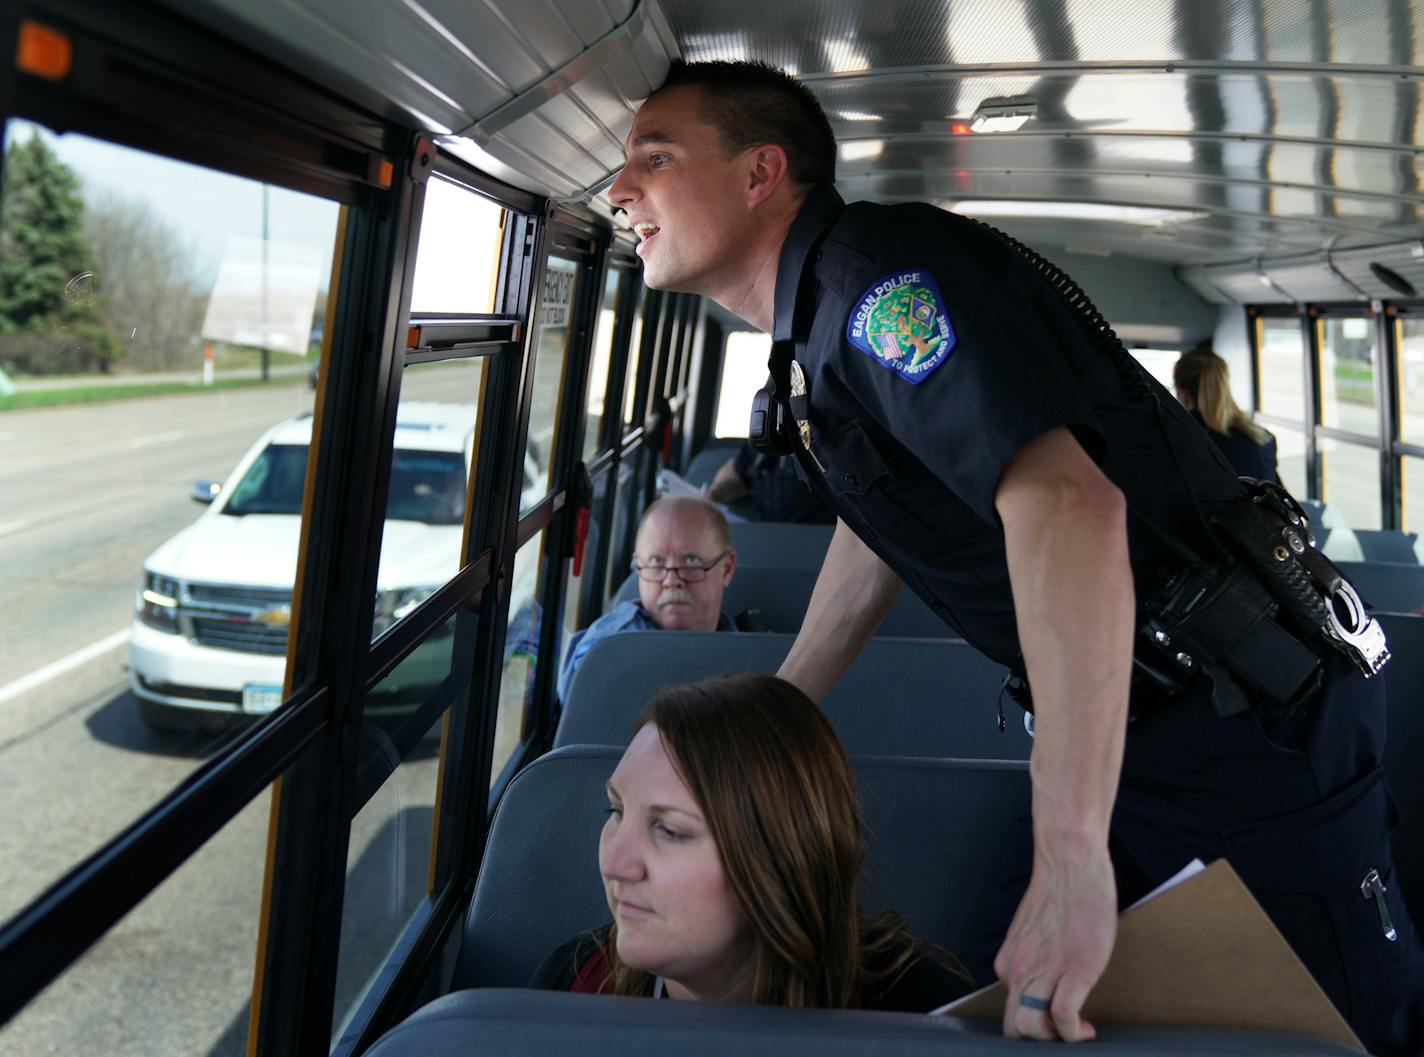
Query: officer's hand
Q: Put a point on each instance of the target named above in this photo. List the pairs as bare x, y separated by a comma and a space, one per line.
1058, 945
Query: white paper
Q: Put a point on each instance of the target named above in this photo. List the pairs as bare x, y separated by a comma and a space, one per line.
669, 483
1190, 870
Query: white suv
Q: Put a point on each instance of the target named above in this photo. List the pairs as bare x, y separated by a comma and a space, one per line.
209, 632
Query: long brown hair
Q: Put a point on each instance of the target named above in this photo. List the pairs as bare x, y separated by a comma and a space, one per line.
1203, 375
778, 795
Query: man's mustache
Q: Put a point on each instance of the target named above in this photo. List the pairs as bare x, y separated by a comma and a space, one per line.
674, 596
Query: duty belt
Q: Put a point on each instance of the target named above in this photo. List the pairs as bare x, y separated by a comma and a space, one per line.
1253, 626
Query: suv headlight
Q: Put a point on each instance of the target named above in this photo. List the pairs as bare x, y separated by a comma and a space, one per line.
157, 602
395, 605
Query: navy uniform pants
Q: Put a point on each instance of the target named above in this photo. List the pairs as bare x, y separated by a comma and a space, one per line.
1300, 807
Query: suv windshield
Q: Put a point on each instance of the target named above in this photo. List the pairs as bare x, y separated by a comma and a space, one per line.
272, 484
426, 486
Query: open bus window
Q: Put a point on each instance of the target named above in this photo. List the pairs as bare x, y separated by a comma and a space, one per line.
457, 260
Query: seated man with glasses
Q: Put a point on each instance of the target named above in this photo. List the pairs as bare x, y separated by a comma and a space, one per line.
684, 560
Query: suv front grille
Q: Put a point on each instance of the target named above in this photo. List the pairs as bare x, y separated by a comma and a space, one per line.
255, 597
231, 617
236, 633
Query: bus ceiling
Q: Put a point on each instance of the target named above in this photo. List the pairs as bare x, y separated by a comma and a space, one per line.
1269, 151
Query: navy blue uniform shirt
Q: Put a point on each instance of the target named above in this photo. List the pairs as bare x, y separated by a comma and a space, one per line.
933, 353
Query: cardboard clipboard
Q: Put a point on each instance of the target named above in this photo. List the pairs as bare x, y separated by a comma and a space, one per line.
1202, 954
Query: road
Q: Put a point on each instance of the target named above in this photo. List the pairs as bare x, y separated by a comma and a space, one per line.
85, 494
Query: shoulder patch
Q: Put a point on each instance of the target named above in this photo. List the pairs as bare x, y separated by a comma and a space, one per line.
901, 324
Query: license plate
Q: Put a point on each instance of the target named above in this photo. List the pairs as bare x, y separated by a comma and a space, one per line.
258, 700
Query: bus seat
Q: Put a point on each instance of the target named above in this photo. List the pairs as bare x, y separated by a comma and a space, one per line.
1388, 545
945, 836
499, 1022
1371, 545
1404, 689
781, 544
704, 465
901, 697
781, 596
1340, 544
1389, 587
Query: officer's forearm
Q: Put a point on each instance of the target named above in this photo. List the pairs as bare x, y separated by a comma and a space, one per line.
1065, 531
853, 593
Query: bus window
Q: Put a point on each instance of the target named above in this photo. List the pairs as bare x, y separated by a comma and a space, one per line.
429, 482
635, 353
1281, 367
602, 358
551, 352
1409, 340
1347, 376
743, 373
160, 354
522, 654
388, 857
1411, 487
175, 975
457, 262
1290, 458
1350, 481
1159, 364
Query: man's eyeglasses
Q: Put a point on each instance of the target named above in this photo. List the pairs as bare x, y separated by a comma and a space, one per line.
688, 574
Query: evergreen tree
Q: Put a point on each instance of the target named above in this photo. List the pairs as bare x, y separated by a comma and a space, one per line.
48, 318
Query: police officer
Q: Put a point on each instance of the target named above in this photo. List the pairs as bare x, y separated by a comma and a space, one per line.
982, 440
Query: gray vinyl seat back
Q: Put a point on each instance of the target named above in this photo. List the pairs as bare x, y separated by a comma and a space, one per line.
937, 854
503, 1023
1404, 692
703, 466
1388, 587
781, 544
901, 697
1370, 545
782, 594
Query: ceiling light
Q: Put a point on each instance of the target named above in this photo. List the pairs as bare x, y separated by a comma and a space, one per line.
1100, 211
1006, 113
862, 149
856, 115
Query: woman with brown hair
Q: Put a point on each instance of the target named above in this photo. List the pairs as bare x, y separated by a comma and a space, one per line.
1203, 386
731, 862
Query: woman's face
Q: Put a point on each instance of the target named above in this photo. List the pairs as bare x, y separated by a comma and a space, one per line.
665, 883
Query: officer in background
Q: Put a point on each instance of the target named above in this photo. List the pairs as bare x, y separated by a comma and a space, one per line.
772, 485
981, 439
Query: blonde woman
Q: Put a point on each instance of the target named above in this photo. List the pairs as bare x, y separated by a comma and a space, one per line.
1204, 388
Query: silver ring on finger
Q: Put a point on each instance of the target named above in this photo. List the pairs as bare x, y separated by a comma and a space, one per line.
1030, 1002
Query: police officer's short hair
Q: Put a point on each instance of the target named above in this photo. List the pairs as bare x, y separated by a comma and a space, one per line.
751, 103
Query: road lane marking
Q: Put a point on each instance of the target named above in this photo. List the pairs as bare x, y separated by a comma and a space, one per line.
54, 669
157, 438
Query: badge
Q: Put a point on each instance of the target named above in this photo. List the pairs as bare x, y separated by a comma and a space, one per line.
901, 324
803, 425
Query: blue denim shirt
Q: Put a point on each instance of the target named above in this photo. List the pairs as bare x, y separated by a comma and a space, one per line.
625, 616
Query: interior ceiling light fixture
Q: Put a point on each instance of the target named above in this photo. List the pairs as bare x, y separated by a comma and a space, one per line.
1103, 212
1005, 113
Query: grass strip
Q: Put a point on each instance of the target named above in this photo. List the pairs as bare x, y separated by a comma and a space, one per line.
93, 394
